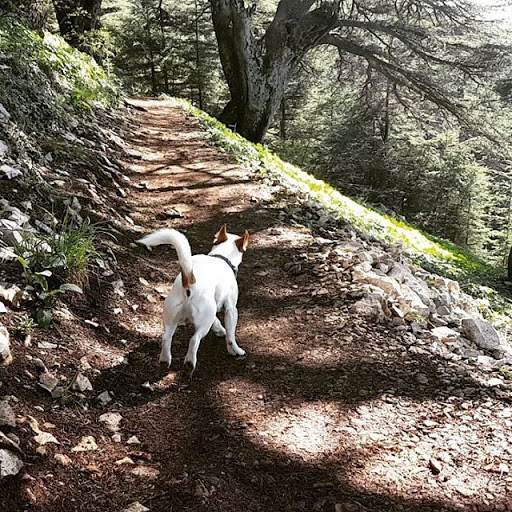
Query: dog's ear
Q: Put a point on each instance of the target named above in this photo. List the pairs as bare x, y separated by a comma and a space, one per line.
221, 235
243, 241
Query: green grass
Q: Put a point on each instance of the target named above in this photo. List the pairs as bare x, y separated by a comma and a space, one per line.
436, 254
81, 81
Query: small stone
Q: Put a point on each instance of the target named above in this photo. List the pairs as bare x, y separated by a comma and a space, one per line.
145, 472
7, 416
86, 444
125, 460
422, 378
46, 345
133, 440
111, 420
117, 438
104, 398
435, 466
81, 383
62, 459
5, 350
10, 463
505, 413
494, 382
44, 438
48, 381
136, 507
10, 172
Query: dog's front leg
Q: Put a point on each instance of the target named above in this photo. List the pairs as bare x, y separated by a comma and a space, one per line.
165, 353
231, 319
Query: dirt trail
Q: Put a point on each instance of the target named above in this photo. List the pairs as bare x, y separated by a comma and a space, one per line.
323, 410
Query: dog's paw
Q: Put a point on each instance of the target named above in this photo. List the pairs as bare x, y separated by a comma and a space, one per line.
235, 350
165, 361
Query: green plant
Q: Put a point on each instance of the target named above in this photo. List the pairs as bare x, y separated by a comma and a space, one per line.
24, 323
67, 249
46, 296
48, 260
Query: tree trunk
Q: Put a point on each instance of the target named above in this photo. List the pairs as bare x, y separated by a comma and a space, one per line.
75, 17
258, 70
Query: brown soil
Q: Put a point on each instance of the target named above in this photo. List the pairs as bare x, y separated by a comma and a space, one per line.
325, 412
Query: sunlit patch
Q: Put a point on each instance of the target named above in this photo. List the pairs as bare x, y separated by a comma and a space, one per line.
308, 430
305, 431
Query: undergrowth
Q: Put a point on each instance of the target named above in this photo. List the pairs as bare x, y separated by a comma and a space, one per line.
50, 260
82, 82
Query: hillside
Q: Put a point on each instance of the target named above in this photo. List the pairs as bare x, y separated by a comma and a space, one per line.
370, 383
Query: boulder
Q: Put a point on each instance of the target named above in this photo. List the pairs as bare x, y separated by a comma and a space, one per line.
385, 283
481, 333
373, 306
411, 304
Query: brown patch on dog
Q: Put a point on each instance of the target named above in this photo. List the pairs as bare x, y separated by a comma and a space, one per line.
221, 235
187, 280
243, 242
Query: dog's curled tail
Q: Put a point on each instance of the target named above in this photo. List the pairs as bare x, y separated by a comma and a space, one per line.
180, 243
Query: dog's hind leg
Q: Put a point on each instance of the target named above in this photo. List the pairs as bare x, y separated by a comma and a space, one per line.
230, 319
165, 353
202, 330
218, 329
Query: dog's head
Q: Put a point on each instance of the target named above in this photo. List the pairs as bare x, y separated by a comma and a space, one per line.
229, 245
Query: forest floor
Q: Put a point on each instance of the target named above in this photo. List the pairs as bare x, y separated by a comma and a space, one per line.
326, 412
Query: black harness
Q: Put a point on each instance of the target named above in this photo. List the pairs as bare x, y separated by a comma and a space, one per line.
233, 268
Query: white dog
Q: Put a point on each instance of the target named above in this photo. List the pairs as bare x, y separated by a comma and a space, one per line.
207, 284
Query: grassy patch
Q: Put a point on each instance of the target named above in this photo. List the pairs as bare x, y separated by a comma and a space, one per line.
82, 82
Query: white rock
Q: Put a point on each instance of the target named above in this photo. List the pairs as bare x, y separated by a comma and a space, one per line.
136, 507
48, 381
104, 398
44, 438
82, 383
119, 287
385, 283
111, 420
371, 306
86, 444
3, 148
10, 463
7, 416
445, 334
133, 440
5, 351
4, 115
10, 172
411, 304
145, 472
494, 382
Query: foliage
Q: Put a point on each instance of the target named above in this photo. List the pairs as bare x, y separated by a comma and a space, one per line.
412, 163
49, 259
440, 255
77, 78
169, 47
